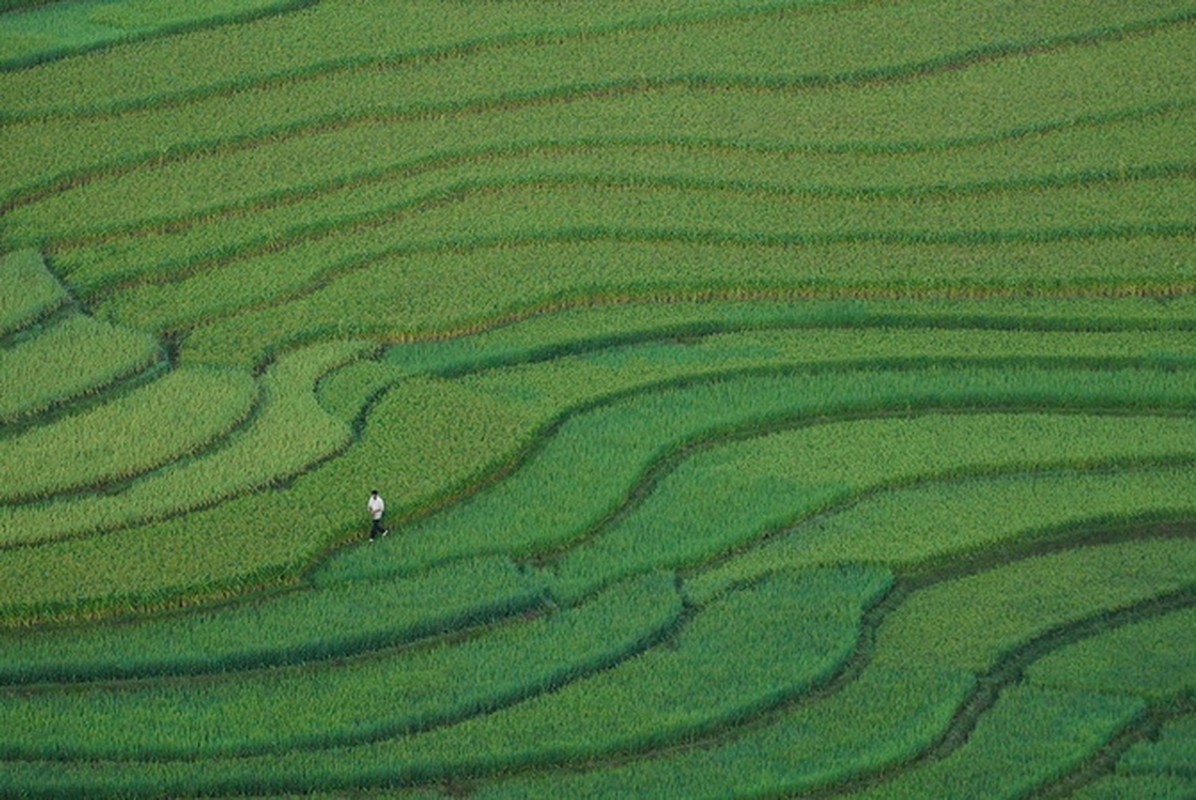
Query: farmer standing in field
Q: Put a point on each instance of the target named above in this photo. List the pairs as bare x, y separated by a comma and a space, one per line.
376, 507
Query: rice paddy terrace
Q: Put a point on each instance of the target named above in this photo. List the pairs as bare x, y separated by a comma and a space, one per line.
772, 398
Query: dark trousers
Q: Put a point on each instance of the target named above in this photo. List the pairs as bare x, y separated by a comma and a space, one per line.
376, 528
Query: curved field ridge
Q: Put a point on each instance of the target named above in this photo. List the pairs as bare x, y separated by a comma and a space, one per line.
770, 398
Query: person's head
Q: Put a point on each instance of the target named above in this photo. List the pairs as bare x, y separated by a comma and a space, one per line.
374, 493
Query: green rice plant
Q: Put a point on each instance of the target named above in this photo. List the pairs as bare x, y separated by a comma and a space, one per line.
348, 701
366, 794
290, 627
617, 349
373, 23
456, 436
971, 621
726, 498
182, 414
77, 356
820, 349
879, 720
47, 31
440, 426
406, 198
586, 375
707, 678
346, 392
616, 443
430, 441
12, 5
1172, 754
27, 290
1154, 658
923, 524
1030, 737
380, 794
288, 433
1144, 787
801, 632
938, 634
670, 332
240, 546
332, 37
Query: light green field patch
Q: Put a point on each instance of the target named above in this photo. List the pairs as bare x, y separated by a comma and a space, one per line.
179, 415
329, 38
769, 397
457, 289
78, 356
1078, 153
289, 433
1055, 84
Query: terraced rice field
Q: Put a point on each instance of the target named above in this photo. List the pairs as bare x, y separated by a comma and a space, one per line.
772, 398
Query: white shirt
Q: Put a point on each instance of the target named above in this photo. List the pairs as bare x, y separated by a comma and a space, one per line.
376, 506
